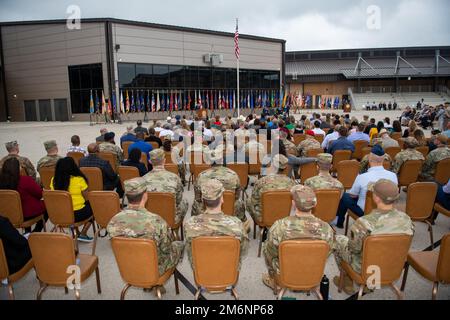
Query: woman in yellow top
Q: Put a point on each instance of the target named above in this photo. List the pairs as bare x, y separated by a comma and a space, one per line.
68, 177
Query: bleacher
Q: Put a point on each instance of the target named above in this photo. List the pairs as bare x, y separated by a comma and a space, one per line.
403, 99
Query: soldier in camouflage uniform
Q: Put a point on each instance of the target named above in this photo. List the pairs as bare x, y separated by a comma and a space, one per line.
275, 180
301, 226
136, 222
228, 178
52, 155
410, 153
290, 147
109, 146
442, 152
25, 164
161, 180
324, 180
308, 144
385, 219
197, 146
364, 164
213, 222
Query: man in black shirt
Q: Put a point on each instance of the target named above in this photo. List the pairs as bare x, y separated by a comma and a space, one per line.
139, 128
153, 138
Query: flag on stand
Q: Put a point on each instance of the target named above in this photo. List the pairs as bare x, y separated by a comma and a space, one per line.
91, 104
153, 108
109, 106
127, 103
114, 104
132, 102
158, 102
236, 41
103, 103
122, 107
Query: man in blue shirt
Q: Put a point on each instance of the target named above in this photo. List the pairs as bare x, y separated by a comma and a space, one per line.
359, 134
342, 143
141, 145
355, 199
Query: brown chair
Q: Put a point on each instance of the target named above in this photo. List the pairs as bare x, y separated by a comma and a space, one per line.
242, 171
327, 204
409, 172
195, 159
388, 253
110, 157
60, 212
340, 155
137, 260
144, 160
172, 168
386, 164
125, 147
319, 137
313, 153
365, 151
432, 265
302, 265
442, 173
307, 171
392, 151
275, 205
347, 171
94, 176
440, 209
105, 205
76, 156
368, 207
164, 205
168, 155
127, 173
216, 264
423, 150
229, 198
299, 137
11, 208
195, 170
359, 146
420, 200
46, 174
154, 144
254, 168
53, 254
396, 135
12, 278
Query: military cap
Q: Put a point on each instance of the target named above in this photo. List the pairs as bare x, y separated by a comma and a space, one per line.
212, 189
377, 150
49, 144
157, 155
280, 161
386, 190
135, 186
325, 158
109, 136
304, 197
411, 142
11, 144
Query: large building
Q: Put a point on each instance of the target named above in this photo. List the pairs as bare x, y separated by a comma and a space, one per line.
400, 74
48, 71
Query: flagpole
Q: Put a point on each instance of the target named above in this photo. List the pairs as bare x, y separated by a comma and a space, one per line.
237, 73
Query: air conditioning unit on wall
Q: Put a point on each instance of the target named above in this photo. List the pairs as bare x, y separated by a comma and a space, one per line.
214, 59
207, 58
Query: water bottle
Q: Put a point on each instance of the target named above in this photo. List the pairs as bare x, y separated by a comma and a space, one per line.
324, 287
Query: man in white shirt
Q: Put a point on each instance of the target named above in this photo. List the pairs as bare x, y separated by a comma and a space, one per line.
317, 129
166, 131
331, 137
75, 147
158, 127
355, 199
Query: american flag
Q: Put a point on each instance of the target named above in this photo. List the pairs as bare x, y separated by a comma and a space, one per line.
236, 41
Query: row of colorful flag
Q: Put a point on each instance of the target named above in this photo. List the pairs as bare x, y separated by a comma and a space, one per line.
167, 100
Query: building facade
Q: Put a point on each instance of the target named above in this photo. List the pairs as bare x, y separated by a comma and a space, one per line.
52, 73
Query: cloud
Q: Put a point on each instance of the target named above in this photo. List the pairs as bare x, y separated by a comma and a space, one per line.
306, 25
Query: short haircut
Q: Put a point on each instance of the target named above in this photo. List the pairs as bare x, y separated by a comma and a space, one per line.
151, 131
372, 120
139, 122
316, 124
343, 131
336, 122
135, 198
361, 127
75, 140
211, 203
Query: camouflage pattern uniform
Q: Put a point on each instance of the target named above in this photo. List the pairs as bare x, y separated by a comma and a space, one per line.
301, 226
161, 180
214, 224
308, 144
140, 223
403, 156
25, 164
230, 181
114, 149
291, 148
271, 182
48, 161
323, 181
377, 222
429, 167
254, 146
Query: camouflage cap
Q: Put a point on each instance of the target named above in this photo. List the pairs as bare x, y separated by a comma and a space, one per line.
411, 142
280, 161
304, 197
386, 190
48, 145
11, 144
135, 186
212, 189
325, 158
157, 155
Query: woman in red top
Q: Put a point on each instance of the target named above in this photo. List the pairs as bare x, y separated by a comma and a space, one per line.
30, 192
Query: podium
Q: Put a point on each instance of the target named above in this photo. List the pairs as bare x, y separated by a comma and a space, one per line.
202, 114
347, 108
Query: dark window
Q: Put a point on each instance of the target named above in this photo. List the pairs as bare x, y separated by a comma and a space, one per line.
204, 77
83, 79
127, 73
144, 76
45, 110
161, 76
61, 113
220, 78
191, 77
30, 110
176, 76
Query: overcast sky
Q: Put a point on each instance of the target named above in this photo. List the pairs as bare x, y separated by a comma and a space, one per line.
306, 25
